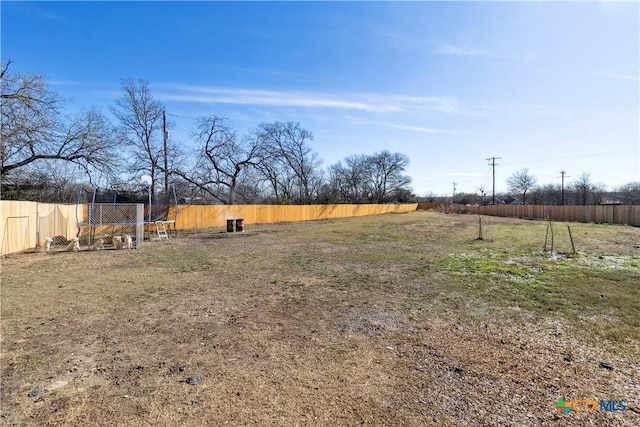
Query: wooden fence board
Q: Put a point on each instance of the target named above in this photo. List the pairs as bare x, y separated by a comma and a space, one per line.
25, 225
206, 216
599, 214
609, 214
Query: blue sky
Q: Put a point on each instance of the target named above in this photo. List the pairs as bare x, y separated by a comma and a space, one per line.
547, 86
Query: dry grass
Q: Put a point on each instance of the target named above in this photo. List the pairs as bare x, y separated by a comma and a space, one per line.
389, 320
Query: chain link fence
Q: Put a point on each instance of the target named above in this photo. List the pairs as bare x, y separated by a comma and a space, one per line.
110, 225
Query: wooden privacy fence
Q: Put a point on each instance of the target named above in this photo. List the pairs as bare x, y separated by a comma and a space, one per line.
25, 225
207, 216
599, 214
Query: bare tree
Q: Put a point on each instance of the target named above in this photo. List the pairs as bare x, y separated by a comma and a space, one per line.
222, 159
337, 188
279, 177
629, 193
357, 174
599, 191
140, 118
288, 163
351, 179
34, 128
583, 187
62, 181
547, 194
250, 188
386, 174
378, 177
405, 195
521, 182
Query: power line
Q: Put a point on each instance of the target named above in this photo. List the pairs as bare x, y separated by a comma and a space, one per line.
493, 166
571, 157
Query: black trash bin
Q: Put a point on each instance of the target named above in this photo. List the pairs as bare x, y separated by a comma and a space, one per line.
230, 225
239, 224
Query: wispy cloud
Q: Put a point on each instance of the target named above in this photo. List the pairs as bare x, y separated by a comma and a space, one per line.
416, 45
409, 44
74, 83
44, 14
450, 49
368, 122
445, 104
207, 95
360, 102
412, 128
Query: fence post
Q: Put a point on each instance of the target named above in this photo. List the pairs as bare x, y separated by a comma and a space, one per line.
546, 236
573, 248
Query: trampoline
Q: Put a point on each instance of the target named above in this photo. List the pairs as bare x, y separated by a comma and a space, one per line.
106, 213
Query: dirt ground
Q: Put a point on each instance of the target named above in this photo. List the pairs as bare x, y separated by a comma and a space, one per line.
362, 321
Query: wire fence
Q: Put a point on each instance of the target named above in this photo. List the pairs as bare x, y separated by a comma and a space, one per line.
32, 225
27, 225
110, 225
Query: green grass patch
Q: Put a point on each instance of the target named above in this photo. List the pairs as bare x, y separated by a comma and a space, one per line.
582, 290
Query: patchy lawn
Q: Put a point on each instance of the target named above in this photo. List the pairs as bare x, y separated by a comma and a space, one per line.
403, 319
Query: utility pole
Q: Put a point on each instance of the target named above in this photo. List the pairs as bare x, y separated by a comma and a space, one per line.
454, 193
563, 173
165, 137
493, 166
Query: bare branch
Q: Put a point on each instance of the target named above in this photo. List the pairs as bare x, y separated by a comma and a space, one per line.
34, 129
521, 182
